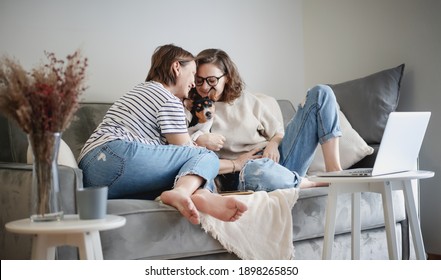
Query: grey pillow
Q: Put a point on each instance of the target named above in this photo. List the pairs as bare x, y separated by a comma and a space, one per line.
367, 102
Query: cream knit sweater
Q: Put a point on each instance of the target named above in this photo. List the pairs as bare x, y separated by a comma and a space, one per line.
246, 123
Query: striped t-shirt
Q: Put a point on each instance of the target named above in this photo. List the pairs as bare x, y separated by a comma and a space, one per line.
144, 115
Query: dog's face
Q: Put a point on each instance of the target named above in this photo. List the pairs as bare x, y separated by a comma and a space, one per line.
203, 109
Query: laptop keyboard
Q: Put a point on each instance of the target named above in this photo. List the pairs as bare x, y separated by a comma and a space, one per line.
361, 172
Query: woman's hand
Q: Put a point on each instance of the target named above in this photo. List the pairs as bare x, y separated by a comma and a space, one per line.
271, 151
243, 158
236, 165
211, 141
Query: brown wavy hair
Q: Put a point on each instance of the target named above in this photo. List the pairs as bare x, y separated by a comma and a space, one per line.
234, 84
162, 59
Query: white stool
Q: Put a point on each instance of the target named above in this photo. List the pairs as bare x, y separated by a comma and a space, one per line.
83, 234
384, 185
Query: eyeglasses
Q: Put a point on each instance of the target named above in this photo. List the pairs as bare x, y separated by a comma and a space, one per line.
211, 80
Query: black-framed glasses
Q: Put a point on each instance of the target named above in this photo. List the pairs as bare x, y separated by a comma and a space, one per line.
211, 80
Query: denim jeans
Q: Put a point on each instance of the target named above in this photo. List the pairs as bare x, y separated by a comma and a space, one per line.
316, 121
136, 170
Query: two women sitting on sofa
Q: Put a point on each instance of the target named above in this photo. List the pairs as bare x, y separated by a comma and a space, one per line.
142, 144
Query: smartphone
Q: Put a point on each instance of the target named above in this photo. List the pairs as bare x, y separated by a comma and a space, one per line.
236, 192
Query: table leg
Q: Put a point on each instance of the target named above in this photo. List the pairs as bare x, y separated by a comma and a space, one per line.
86, 246
88, 243
389, 220
356, 226
331, 209
97, 249
413, 221
42, 248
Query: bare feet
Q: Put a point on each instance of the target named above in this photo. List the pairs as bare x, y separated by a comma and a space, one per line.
183, 203
224, 208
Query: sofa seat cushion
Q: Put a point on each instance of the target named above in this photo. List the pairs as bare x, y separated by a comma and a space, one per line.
157, 231
373, 246
154, 231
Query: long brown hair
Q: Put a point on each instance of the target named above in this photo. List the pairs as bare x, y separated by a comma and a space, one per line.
162, 60
234, 84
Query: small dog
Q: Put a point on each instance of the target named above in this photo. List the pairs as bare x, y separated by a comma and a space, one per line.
202, 114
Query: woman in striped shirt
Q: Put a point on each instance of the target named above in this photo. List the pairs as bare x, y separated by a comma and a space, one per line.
142, 149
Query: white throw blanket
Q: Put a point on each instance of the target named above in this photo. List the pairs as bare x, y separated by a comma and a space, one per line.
264, 232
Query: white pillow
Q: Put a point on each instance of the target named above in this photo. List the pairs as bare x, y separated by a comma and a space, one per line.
65, 155
352, 148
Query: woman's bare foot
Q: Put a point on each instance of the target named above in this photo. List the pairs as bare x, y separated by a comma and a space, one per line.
305, 184
224, 208
183, 203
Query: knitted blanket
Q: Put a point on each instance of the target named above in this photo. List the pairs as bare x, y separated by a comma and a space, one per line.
264, 232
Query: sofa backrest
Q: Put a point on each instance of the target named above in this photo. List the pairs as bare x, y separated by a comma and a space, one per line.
86, 119
89, 115
14, 143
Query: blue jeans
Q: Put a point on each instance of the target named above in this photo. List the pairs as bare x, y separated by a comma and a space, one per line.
315, 122
136, 170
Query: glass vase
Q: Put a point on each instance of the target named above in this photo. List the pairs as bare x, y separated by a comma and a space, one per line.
45, 196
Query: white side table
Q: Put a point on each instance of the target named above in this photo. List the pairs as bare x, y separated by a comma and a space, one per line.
384, 185
83, 234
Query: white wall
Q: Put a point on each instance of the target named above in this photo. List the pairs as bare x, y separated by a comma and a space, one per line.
347, 39
264, 38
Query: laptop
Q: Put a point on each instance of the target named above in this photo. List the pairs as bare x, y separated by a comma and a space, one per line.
399, 148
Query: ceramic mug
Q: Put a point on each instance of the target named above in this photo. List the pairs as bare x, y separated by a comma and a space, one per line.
92, 202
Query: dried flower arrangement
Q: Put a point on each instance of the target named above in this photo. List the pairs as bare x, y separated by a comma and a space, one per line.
42, 102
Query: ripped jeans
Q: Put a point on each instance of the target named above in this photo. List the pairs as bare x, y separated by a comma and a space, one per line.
315, 122
136, 170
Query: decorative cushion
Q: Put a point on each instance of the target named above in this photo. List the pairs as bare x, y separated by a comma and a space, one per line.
367, 101
65, 155
352, 148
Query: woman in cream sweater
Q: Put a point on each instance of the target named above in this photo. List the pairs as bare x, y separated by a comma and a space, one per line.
249, 139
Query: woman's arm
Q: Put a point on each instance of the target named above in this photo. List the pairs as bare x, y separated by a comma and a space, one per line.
182, 139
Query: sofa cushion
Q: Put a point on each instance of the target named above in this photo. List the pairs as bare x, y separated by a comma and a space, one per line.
352, 148
86, 120
367, 101
65, 155
287, 109
154, 231
157, 224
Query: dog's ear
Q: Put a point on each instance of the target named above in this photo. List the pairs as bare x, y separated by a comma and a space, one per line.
197, 97
194, 95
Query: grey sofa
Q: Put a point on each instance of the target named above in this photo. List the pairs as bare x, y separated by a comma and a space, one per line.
157, 231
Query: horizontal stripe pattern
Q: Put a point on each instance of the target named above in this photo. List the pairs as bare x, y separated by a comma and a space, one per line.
144, 115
